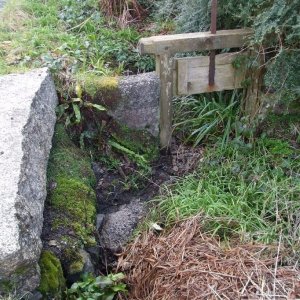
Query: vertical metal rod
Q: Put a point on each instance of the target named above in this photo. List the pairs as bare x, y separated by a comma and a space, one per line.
213, 24
212, 57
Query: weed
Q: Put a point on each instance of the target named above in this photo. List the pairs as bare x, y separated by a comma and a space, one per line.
138, 158
101, 287
70, 111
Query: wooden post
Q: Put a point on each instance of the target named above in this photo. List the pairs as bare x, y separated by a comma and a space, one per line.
165, 47
164, 63
252, 100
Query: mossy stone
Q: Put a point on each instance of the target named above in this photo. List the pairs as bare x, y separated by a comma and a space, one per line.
52, 283
102, 90
78, 201
75, 263
76, 267
92, 83
71, 198
67, 160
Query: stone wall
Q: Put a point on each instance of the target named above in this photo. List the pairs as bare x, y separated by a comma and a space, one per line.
27, 118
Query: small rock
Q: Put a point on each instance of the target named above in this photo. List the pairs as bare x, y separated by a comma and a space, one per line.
80, 267
99, 221
119, 226
53, 243
88, 265
35, 296
94, 253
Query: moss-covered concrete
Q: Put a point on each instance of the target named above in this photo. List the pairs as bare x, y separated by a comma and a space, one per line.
92, 83
77, 200
52, 278
9, 285
68, 161
100, 89
70, 207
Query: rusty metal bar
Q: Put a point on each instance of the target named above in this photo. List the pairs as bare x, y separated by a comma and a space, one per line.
212, 57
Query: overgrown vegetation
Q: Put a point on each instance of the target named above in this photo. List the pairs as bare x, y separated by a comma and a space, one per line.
68, 36
125, 11
206, 117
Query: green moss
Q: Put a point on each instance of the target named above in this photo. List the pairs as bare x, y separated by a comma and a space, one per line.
93, 84
22, 270
74, 259
67, 160
52, 280
78, 201
72, 198
76, 267
138, 141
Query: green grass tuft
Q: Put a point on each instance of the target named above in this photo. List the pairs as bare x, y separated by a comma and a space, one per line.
253, 193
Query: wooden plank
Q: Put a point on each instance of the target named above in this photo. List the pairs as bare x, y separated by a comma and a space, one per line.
198, 41
175, 78
166, 96
182, 83
197, 70
203, 61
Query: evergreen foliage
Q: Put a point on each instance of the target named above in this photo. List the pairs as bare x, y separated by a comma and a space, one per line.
276, 25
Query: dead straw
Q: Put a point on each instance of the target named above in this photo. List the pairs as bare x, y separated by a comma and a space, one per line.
124, 11
184, 263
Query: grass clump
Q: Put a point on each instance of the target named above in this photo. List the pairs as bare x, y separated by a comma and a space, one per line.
52, 279
253, 193
207, 116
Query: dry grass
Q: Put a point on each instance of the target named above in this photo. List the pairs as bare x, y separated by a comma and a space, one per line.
13, 16
183, 264
125, 11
